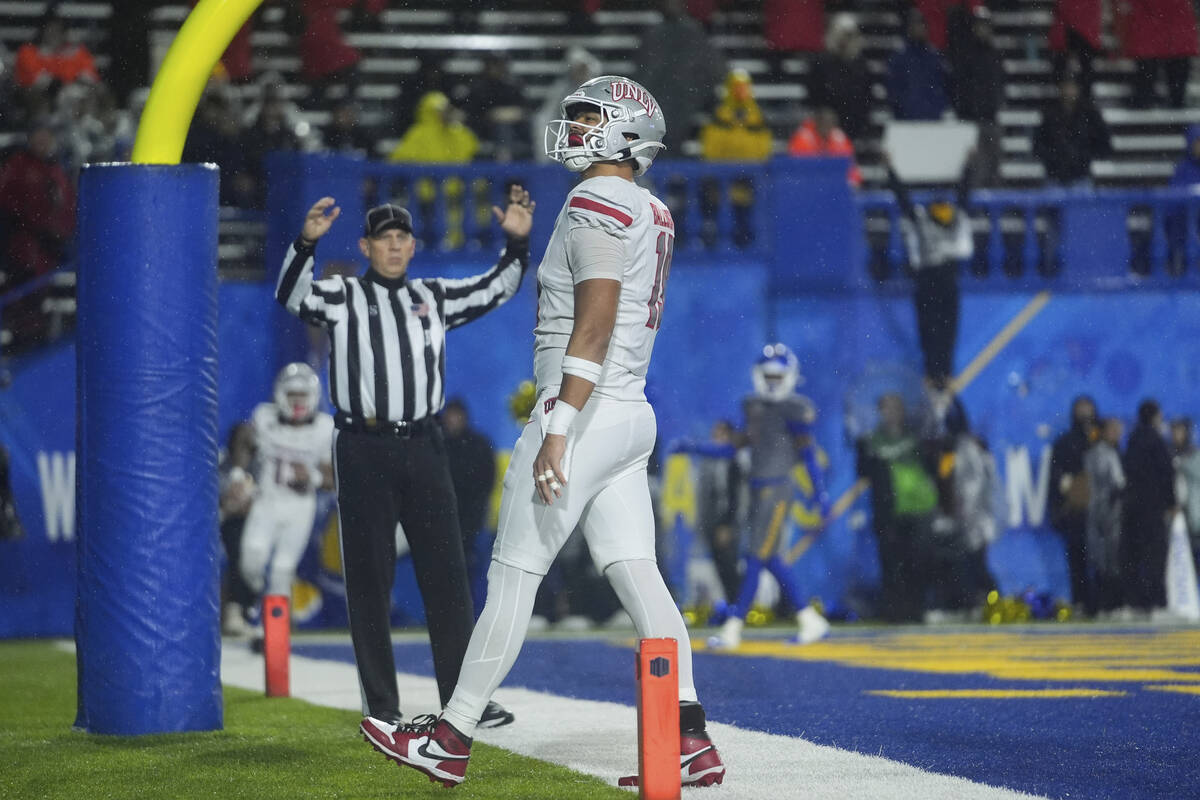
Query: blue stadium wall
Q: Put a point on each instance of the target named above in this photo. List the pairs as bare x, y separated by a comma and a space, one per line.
1119, 345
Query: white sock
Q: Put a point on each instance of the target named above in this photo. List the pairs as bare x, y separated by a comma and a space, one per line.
641, 590
494, 644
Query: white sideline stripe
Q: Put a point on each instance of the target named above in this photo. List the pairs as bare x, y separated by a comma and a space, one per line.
600, 739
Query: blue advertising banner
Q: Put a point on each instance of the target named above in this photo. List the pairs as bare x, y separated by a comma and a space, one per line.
1118, 347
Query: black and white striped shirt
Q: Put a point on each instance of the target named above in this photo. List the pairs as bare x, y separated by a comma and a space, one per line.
388, 336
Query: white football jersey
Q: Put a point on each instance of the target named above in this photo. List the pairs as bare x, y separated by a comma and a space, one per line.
643, 225
285, 451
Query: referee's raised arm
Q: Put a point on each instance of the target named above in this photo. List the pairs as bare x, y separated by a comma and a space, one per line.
315, 302
465, 299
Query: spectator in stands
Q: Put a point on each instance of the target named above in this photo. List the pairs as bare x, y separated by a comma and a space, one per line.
1187, 468
1068, 499
236, 482
978, 79
1072, 135
345, 133
270, 132
1158, 35
1149, 505
216, 137
473, 473
37, 207
685, 82
93, 127
328, 63
52, 59
438, 136
737, 131
939, 18
1106, 490
581, 66
794, 25
939, 241
840, 77
917, 81
497, 110
1076, 39
428, 78
819, 135
903, 501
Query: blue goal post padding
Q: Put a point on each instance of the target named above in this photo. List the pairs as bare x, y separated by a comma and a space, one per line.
147, 608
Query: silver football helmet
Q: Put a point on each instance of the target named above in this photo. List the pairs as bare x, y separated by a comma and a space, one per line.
632, 126
776, 373
297, 392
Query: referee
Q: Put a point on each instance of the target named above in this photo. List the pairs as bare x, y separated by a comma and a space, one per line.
387, 372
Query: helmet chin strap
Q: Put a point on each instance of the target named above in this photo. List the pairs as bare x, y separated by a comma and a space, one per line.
577, 163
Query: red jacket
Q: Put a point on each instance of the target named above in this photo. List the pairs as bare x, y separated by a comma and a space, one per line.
323, 49
806, 141
67, 65
37, 199
1085, 17
795, 25
935, 12
1156, 28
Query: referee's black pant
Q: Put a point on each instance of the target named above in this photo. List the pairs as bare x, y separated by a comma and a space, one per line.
383, 479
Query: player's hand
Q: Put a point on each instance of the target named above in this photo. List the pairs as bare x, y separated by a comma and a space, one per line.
516, 219
548, 474
317, 222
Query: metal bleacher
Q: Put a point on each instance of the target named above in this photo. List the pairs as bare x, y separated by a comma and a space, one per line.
1146, 142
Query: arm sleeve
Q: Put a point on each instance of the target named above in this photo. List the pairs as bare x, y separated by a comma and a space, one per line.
317, 302
465, 299
593, 252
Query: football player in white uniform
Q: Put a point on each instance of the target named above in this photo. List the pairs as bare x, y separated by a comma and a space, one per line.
581, 460
295, 443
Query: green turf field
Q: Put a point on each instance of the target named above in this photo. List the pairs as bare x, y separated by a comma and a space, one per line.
270, 748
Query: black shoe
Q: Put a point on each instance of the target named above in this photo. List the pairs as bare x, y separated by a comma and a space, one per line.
495, 716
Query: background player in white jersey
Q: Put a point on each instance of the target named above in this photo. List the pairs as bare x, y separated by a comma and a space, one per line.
779, 427
600, 303
294, 442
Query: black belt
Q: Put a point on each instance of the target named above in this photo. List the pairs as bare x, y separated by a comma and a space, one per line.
384, 427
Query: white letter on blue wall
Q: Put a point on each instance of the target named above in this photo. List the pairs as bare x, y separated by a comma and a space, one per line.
1026, 497
57, 474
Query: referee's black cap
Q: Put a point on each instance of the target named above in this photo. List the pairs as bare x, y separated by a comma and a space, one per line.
380, 218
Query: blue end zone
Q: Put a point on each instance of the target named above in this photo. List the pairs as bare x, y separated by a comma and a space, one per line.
1141, 744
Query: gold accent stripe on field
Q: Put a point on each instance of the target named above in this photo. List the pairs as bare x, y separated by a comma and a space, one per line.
1166, 657
1179, 689
991, 694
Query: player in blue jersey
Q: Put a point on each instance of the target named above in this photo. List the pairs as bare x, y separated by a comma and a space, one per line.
779, 429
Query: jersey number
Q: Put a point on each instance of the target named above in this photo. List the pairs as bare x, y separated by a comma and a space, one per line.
664, 248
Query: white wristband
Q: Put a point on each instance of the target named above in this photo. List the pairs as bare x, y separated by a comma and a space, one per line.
582, 368
560, 419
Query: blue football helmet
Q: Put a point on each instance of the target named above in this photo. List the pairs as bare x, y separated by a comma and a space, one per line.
776, 373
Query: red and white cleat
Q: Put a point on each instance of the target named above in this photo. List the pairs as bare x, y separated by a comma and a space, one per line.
427, 744
699, 762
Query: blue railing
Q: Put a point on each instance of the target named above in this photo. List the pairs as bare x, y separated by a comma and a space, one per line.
796, 216
1087, 239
